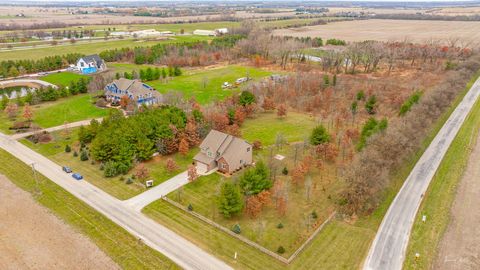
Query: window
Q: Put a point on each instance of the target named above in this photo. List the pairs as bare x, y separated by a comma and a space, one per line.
248, 149
241, 161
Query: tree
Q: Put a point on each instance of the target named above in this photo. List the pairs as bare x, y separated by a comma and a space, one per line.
124, 101
253, 206
239, 116
27, 113
68, 149
282, 110
371, 105
191, 133
268, 104
353, 109
171, 165
319, 135
11, 110
246, 98
192, 173
360, 95
255, 180
84, 155
298, 174
230, 201
183, 147
141, 172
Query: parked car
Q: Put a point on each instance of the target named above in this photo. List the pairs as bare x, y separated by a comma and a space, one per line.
226, 85
66, 169
241, 80
77, 176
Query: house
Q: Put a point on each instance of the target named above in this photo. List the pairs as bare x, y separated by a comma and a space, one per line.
90, 64
200, 32
222, 31
146, 33
223, 151
135, 90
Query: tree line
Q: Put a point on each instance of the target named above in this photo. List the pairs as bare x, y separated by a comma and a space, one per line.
13, 68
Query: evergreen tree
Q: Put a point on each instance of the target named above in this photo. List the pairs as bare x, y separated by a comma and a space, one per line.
319, 135
230, 201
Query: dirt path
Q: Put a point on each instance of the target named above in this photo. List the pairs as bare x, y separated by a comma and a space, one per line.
33, 238
460, 246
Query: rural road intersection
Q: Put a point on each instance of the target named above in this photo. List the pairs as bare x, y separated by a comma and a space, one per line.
179, 250
390, 244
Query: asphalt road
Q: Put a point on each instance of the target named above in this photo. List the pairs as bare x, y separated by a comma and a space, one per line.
179, 250
17, 136
390, 244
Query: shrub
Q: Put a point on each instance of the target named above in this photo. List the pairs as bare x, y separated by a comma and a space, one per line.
68, 149
285, 171
75, 154
129, 181
371, 105
281, 250
314, 214
83, 155
280, 225
319, 135
190, 207
236, 229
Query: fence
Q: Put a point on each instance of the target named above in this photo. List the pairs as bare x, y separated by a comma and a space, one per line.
249, 242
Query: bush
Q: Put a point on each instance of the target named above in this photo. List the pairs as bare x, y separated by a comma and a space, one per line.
285, 171
281, 250
371, 105
68, 149
314, 214
83, 155
129, 181
319, 135
280, 225
236, 229
190, 207
102, 167
75, 154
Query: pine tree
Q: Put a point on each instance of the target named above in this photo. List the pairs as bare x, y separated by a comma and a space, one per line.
230, 201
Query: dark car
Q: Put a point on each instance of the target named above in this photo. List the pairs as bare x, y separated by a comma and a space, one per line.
66, 169
77, 176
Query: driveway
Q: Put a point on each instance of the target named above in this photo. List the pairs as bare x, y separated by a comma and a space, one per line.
390, 244
179, 250
140, 201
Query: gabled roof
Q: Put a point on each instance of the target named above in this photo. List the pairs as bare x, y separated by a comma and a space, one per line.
135, 87
221, 145
93, 58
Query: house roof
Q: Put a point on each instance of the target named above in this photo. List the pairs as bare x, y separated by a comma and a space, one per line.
93, 58
134, 87
222, 145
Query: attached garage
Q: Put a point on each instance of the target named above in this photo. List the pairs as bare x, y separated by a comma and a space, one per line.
201, 167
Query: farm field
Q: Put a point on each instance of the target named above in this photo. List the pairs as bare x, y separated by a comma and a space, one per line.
115, 186
205, 85
90, 48
388, 30
109, 237
41, 239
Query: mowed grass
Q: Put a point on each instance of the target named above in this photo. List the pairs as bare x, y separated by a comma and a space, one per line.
116, 242
70, 109
265, 127
115, 186
206, 85
90, 47
438, 200
63, 78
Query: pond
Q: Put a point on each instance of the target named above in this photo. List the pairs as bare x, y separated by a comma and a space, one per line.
15, 91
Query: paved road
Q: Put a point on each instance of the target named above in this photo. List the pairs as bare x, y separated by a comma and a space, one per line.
390, 244
140, 201
179, 250
17, 136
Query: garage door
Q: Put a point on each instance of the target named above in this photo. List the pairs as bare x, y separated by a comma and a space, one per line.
201, 167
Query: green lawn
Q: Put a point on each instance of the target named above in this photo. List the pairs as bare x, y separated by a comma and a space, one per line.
115, 186
127, 67
265, 127
62, 78
440, 195
117, 243
206, 85
71, 109
89, 48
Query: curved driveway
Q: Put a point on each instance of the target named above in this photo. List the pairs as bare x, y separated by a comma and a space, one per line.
390, 244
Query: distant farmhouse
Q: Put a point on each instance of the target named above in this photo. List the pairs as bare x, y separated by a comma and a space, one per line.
90, 64
223, 151
216, 32
135, 90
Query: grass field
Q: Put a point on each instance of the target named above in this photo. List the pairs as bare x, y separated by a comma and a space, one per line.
440, 195
89, 48
265, 127
205, 85
117, 243
62, 78
115, 186
56, 113
388, 30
